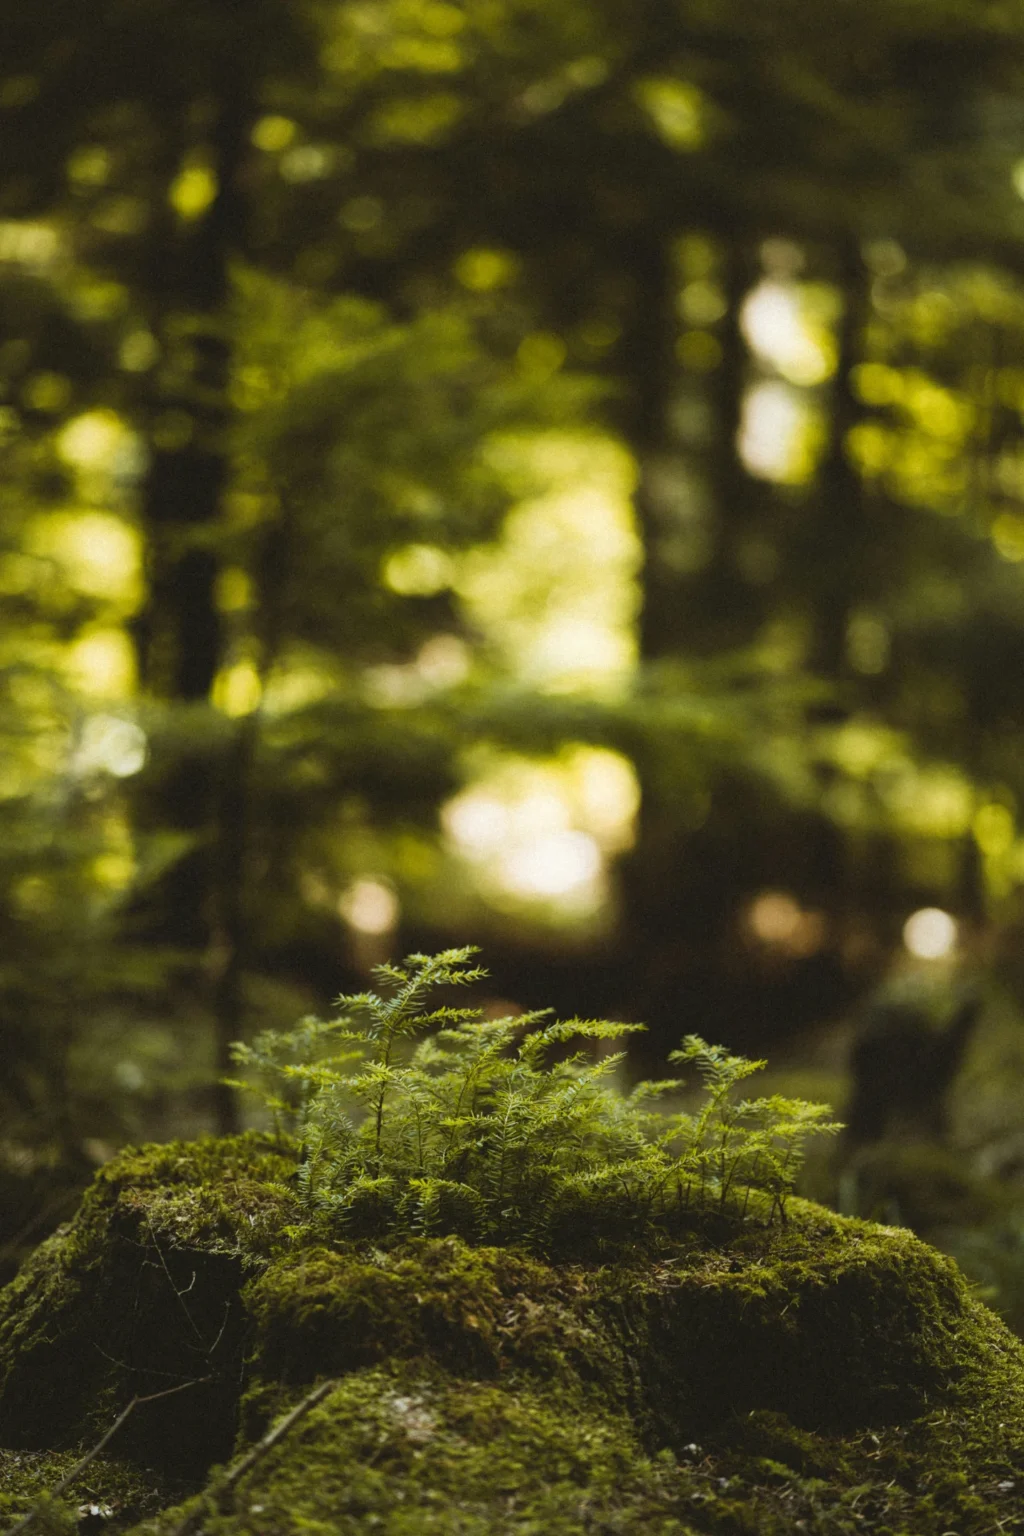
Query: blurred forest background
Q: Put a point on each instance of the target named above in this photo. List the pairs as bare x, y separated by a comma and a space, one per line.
540, 473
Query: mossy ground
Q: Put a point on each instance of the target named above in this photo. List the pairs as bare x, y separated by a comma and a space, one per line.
826, 1376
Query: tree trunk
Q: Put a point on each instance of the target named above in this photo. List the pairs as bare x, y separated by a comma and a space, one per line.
841, 535
179, 634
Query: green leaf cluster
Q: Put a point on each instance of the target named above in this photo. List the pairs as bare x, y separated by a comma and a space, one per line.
436, 1119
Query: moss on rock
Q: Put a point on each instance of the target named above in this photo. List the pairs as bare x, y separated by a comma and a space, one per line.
138, 1293
826, 1376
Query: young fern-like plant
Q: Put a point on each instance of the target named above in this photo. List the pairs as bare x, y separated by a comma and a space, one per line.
434, 1119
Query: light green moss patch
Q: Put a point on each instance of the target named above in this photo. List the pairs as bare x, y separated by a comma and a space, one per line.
402, 1450
409, 1450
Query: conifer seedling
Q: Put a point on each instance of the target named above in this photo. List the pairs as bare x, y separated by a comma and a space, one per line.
430, 1119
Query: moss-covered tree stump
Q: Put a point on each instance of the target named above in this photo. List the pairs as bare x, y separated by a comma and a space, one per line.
823, 1376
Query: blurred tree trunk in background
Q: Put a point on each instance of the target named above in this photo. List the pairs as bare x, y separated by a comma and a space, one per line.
321, 266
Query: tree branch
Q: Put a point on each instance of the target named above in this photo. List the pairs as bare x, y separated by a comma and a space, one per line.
250, 1459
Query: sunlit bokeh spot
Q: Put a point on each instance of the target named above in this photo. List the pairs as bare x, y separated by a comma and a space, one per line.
393, 686
48, 392
138, 351
237, 690
939, 411
481, 269
540, 830
129, 1076
778, 921
551, 865
296, 685
877, 383
110, 744
273, 133
578, 645
677, 110
369, 906
1008, 536
234, 589
114, 871
780, 433
782, 259
605, 794
935, 801
541, 354
92, 440
556, 596
786, 325
100, 298
598, 334
443, 661
872, 447
121, 215
994, 829
25, 243
930, 934
307, 162
99, 554
101, 664
419, 570
90, 165
192, 191
774, 916
1017, 177
416, 119
702, 302
108, 457
479, 822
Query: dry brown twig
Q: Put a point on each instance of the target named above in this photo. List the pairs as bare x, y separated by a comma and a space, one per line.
234, 1475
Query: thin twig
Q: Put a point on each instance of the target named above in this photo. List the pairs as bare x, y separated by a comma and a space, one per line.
249, 1460
80, 1466
213, 1347
170, 1282
144, 1370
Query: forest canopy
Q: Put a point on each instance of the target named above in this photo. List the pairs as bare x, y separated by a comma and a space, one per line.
544, 474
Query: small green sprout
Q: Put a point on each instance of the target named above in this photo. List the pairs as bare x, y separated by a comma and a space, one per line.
433, 1119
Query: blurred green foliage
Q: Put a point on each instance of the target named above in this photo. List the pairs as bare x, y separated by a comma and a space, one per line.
542, 473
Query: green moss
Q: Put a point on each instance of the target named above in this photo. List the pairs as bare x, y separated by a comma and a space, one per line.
474, 1310
412, 1450
139, 1292
825, 1376
833, 1322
